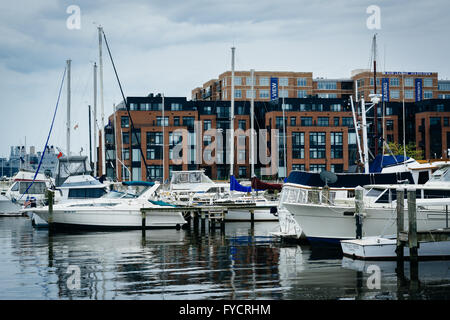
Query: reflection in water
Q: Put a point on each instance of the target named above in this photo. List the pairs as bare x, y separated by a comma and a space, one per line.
242, 263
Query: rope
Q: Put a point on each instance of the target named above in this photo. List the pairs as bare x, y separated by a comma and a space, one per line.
48, 137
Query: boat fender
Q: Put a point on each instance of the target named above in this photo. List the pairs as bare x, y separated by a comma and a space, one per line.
274, 211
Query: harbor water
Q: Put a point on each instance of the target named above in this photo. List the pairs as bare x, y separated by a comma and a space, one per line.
243, 262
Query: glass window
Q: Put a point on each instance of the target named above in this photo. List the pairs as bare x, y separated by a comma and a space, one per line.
238, 93
394, 82
176, 106
176, 121
206, 124
444, 86
162, 122
301, 93
409, 94
125, 137
335, 107
283, 82
293, 121
250, 94
317, 168
409, 82
264, 94
126, 154
428, 82
298, 145
395, 94
283, 93
263, 81
242, 124
301, 82
248, 81
336, 121
323, 122
237, 81
326, 85
124, 122
428, 94
306, 121
317, 145
336, 145
136, 155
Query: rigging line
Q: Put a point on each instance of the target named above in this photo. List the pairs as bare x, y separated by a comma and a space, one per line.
48, 137
126, 105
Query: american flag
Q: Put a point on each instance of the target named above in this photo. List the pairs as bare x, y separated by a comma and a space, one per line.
27, 202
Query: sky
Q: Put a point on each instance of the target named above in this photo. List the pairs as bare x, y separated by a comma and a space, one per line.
173, 46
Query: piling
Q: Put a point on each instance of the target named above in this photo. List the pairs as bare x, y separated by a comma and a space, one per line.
400, 228
412, 235
359, 208
196, 219
203, 218
252, 217
50, 197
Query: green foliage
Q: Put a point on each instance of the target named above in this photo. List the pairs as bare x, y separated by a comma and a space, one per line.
411, 150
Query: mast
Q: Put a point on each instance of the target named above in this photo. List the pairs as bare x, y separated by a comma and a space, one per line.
115, 141
284, 137
375, 111
102, 107
364, 130
232, 114
90, 136
404, 120
96, 173
252, 128
356, 131
163, 137
68, 108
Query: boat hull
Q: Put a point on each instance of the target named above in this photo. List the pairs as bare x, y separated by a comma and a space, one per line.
7, 207
244, 215
335, 223
111, 219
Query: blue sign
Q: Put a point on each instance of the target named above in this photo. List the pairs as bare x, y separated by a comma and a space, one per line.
385, 89
418, 85
273, 88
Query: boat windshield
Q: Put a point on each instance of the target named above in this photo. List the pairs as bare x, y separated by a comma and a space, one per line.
189, 177
442, 174
117, 195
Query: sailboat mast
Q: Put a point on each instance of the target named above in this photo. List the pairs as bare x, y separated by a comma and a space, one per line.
252, 127
96, 173
364, 130
163, 137
284, 136
68, 108
102, 107
232, 115
115, 141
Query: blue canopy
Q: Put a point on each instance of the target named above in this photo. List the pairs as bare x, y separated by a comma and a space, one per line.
381, 162
138, 183
236, 186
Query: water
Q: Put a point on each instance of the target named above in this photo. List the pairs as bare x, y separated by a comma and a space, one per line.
242, 263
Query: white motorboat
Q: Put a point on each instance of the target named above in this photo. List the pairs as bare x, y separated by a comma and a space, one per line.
115, 210
376, 248
23, 191
268, 211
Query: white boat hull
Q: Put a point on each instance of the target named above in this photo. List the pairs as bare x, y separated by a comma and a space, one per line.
382, 248
244, 215
113, 218
334, 223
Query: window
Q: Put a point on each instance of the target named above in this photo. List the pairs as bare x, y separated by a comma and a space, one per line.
188, 122
283, 82
279, 122
336, 121
242, 124
390, 125
428, 82
176, 121
134, 106
317, 145
238, 93
283, 93
326, 85
242, 171
35, 188
136, 174
337, 168
293, 122
444, 86
207, 110
378, 82
146, 106
248, 81
409, 82
409, 94
306, 121
298, 145
162, 122
435, 121
263, 81
223, 112
327, 95
176, 107
155, 172
250, 94
154, 139
206, 124
124, 122
394, 82
136, 155
317, 168
241, 156
301, 82
428, 94
237, 81
395, 94
135, 137
301, 93
335, 107
323, 122
264, 94
347, 122
336, 145
446, 122
125, 137
126, 154
298, 167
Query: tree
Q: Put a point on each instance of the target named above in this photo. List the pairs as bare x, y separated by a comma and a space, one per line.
411, 151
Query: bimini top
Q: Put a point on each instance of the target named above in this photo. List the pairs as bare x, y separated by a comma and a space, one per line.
349, 180
138, 183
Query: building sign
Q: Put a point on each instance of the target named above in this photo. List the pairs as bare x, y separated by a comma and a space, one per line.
273, 88
385, 89
409, 73
418, 85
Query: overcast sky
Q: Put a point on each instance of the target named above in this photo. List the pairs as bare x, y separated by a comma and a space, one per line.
173, 46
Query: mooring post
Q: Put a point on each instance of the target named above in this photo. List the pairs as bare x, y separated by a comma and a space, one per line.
412, 234
222, 222
203, 217
196, 219
252, 216
50, 196
446, 217
400, 228
359, 208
